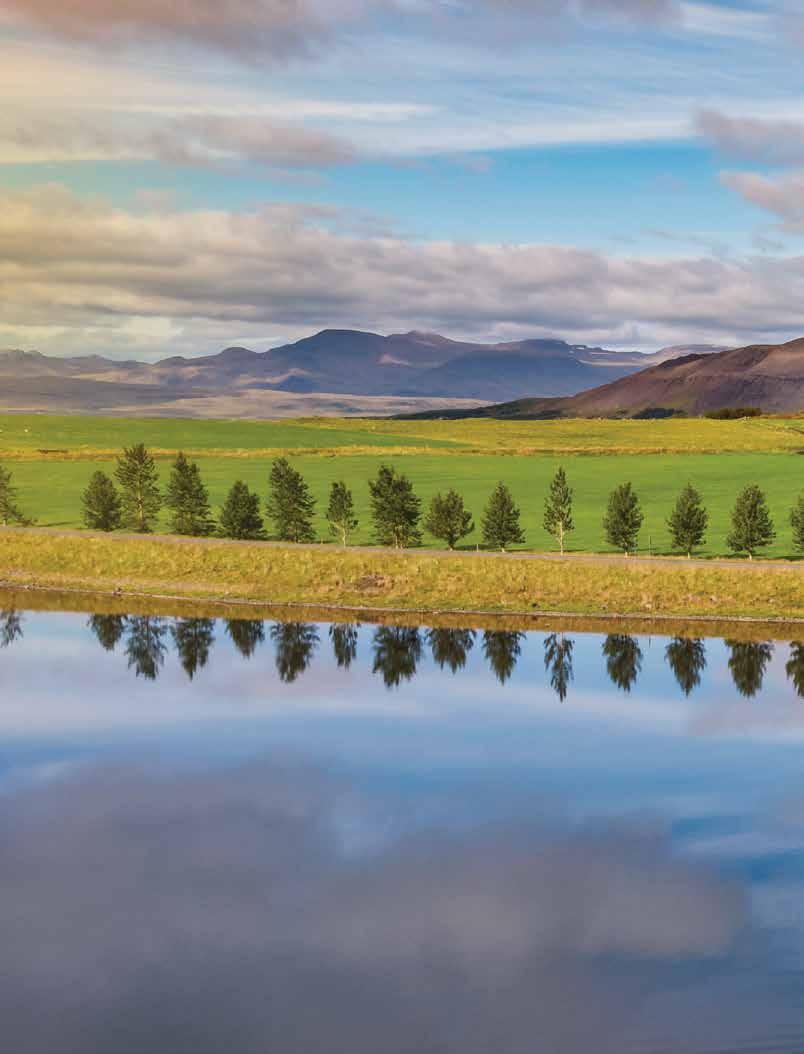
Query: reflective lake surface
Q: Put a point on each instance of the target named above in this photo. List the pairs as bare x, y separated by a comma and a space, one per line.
263, 837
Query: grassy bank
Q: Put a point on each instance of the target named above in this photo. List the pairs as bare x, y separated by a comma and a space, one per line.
423, 582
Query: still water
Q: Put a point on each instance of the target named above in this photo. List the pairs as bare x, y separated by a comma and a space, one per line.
339, 839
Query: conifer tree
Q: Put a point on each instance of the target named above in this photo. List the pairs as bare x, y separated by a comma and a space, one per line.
246, 635
395, 509
623, 660
187, 498
290, 504
795, 667
558, 509
397, 651
450, 647
797, 523
501, 526
344, 643
686, 657
138, 477
751, 524
558, 663
145, 645
501, 649
108, 629
341, 512
10, 627
623, 518
295, 643
193, 638
240, 515
748, 662
688, 521
448, 519
103, 510
10, 512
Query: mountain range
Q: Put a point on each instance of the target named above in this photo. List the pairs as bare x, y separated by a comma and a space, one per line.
334, 371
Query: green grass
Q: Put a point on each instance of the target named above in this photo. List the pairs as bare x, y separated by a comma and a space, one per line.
51, 491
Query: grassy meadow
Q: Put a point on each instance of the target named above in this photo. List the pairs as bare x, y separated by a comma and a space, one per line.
52, 459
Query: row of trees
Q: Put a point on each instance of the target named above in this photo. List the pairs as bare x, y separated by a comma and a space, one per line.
398, 650
133, 500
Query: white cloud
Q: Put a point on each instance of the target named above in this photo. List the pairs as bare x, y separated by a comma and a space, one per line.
782, 196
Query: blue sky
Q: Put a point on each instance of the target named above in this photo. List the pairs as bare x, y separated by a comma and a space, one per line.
623, 172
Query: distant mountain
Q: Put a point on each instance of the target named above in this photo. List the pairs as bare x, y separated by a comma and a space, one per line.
768, 376
426, 370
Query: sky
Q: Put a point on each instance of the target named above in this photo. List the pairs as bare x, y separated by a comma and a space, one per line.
178, 178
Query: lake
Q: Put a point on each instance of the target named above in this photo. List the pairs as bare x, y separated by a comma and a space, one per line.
304, 838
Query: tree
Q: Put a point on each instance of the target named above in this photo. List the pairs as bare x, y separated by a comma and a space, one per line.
240, 515
751, 525
558, 663
344, 643
137, 475
193, 638
795, 667
501, 526
450, 647
686, 657
295, 644
188, 499
145, 645
558, 508
10, 627
623, 660
290, 504
501, 649
395, 509
341, 512
748, 662
109, 629
448, 519
103, 510
688, 521
246, 635
623, 518
397, 651
9, 510
797, 523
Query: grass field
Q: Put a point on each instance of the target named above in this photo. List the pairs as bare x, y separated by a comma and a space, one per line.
469, 455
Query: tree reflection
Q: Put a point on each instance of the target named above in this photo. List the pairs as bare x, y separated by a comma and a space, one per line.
686, 657
295, 644
450, 647
145, 645
246, 635
502, 649
558, 663
193, 638
795, 667
623, 660
10, 627
108, 629
344, 643
748, 662
397, 651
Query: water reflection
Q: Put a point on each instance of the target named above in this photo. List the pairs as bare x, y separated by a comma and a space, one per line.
397, 651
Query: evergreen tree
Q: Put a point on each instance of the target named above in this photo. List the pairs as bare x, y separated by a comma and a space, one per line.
138, 477
501, 649
103, 510
10, 627
623, 518
145, 645
450, 647
448, 519
395, 509
246, 635
187, 498
558, 662
751, 525
9, 510
295, 644
748, 662
344, 643
501, 526
797, 523
397, 651
795, 667
341, 512
687, 659
623, 660
109, 629
558, 509
193, 639
688, 521
290, 504
240, 515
